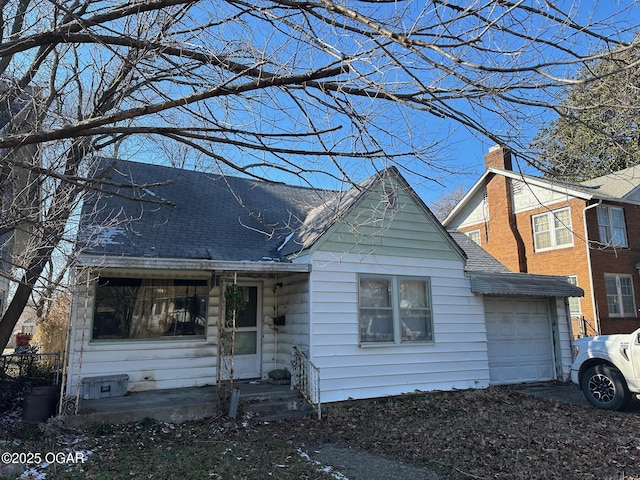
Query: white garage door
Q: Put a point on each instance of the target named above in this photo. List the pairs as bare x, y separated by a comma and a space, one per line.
520, 341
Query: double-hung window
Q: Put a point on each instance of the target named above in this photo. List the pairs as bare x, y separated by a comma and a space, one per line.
611, 226
620, 298
574, 302
552, 229
395, 309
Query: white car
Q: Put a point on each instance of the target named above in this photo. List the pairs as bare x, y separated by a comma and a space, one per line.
607, 369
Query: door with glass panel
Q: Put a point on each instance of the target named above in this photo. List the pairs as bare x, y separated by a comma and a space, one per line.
246, 361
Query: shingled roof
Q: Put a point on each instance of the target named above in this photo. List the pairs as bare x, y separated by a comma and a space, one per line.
193, 215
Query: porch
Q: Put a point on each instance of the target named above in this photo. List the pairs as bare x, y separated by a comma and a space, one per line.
260, 398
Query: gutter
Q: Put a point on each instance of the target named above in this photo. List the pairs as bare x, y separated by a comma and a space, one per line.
596, 318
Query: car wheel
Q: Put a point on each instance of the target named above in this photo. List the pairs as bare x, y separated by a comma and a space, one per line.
604, 387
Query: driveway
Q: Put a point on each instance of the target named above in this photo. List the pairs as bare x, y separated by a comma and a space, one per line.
566, 393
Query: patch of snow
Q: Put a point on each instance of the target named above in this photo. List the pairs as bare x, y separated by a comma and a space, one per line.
323, 468
106, 235
33, 474
286, 240
149, 192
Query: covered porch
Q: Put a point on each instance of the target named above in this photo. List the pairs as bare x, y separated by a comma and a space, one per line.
259, 399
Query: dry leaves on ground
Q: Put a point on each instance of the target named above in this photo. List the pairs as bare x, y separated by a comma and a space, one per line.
496, 433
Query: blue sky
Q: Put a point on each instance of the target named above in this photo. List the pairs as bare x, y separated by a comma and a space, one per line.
459, 151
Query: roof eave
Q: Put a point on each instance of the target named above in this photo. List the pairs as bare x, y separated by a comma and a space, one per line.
101, 261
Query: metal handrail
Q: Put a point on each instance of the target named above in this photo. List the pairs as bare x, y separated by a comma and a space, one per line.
306, 378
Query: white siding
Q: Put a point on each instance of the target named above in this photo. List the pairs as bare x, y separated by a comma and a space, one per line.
457, 359
474, 211
566, 338
150, 364
291, 299
529, 197
187, 363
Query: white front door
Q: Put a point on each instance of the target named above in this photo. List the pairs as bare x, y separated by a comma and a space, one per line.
246, 362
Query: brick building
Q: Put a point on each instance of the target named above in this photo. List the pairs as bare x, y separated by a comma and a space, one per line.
589, 232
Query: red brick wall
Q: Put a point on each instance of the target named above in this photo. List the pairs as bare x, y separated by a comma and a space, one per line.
616, 260
500, 243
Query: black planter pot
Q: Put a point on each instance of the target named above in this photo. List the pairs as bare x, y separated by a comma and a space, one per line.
40, 403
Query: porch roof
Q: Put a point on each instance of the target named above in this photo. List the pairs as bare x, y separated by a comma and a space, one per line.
523, 284
178, 264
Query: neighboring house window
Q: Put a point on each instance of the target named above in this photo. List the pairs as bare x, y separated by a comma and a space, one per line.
474, 235
552, 230
149, 308
620, 298
574, 302
611, 226
395, 309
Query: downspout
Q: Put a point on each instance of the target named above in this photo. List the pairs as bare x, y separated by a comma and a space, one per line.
522, 252
596, 318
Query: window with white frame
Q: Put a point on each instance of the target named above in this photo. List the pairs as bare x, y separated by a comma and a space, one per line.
574, 302
552, 229
395, 309
620, 297
474, 235
611, 226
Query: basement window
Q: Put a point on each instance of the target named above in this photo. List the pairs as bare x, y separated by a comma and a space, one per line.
552, 230
136, 308
395, 310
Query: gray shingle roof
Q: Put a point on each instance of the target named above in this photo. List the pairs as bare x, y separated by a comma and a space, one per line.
490, 277
210, 217
478, 259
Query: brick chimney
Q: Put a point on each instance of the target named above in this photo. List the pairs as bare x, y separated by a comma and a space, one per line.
498, 157
503, 237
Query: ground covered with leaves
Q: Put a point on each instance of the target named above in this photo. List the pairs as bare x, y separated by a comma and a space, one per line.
497, 433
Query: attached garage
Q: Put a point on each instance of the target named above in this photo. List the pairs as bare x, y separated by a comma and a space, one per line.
528, 326
527, 319
519, 340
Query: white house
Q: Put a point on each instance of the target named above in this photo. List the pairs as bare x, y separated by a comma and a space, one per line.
367, 284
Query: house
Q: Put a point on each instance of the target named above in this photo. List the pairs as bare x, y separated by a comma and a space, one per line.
364, 287
589, 232
19, 191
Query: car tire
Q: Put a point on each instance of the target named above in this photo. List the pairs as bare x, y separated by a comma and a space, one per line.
604, 387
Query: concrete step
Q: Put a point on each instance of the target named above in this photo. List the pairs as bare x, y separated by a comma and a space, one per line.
278, 406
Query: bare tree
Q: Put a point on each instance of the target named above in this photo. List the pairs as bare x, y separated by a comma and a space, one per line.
443, 205
298, 89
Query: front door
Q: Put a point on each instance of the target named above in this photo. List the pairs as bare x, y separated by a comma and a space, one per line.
246, 362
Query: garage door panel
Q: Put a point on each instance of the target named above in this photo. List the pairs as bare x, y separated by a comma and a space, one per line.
519, 338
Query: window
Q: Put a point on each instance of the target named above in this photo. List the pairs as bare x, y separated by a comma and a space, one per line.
620, 298
137, 308
574, 302
474, 235
395, 310
552, 230
611, 226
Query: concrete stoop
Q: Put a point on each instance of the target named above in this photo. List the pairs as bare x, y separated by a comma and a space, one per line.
264, 401
276, 406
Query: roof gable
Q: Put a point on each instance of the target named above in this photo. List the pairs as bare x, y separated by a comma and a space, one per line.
383, 215
618, 186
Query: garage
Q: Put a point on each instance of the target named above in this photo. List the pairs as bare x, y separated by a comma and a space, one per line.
520, 339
